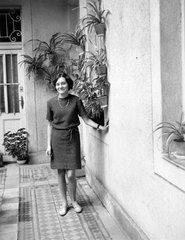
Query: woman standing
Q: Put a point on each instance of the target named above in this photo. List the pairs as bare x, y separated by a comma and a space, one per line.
63, 137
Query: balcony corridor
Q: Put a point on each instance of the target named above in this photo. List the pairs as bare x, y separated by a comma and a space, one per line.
29, 201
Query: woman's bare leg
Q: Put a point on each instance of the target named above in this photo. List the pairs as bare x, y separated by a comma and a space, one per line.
62, 186
72, 190
72, 184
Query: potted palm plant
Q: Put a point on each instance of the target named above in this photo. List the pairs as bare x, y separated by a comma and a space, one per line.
52, 49
174, 137
96, 66
77, 38
96, 61
49, 59
15, 144
95, 18
88, 93
32, 64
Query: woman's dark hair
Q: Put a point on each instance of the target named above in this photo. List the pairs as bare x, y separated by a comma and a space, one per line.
67, 78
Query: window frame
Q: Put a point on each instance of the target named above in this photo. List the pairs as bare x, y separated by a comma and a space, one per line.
12, 8
163, 167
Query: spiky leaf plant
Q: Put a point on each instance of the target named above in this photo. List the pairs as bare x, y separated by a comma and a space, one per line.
172, 132
77, 38
95, 16
32, 64
51, 49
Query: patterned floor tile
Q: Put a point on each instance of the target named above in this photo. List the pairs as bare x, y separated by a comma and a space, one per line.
2, 175
25, 175
43, 173
38, 210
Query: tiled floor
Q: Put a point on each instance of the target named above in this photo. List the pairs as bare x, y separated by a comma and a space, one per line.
29, 202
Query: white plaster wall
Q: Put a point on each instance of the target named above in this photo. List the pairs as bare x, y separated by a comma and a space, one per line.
122, 158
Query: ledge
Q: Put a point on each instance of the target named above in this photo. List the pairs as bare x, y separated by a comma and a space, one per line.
178, 162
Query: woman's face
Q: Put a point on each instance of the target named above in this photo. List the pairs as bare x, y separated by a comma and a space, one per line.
62, 86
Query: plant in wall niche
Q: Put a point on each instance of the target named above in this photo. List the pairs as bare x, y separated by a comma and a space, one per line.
96, 65
91, 87
86, 90
174, 137
96, 61
95, 17
16, 144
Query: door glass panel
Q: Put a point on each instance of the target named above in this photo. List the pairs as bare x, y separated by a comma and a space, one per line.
9, 85
14, 65
2, 102
8, 68
13, 97
11, 68
12, 79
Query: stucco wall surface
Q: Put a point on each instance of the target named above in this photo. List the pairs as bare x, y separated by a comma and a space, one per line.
122, 159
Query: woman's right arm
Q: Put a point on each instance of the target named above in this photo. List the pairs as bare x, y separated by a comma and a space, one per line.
49, 130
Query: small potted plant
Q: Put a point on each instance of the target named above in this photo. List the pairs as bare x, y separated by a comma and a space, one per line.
1, 159
87, 92
51, 49
96, 62
95, 18
174, 137
77, 38
49, 59
32, 64
16, 145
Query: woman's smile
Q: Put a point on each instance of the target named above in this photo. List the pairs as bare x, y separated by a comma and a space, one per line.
62, 86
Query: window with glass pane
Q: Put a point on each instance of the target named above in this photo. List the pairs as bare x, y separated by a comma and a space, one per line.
10, 27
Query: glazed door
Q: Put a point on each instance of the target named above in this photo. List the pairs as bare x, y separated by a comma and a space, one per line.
11, 93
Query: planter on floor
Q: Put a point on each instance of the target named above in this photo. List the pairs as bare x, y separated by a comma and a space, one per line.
1, 160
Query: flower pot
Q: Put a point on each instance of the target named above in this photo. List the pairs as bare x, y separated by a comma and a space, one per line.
101, 70
1, 160
103, 101
21, 162
79, 50
100, 29
178, 148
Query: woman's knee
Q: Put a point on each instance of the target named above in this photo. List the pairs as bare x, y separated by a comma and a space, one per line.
71, 174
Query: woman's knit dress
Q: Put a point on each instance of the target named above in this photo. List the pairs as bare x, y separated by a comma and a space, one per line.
65, 139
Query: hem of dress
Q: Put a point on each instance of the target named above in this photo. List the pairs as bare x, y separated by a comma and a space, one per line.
66, 168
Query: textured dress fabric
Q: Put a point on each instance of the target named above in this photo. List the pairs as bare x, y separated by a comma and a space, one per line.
65, 138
